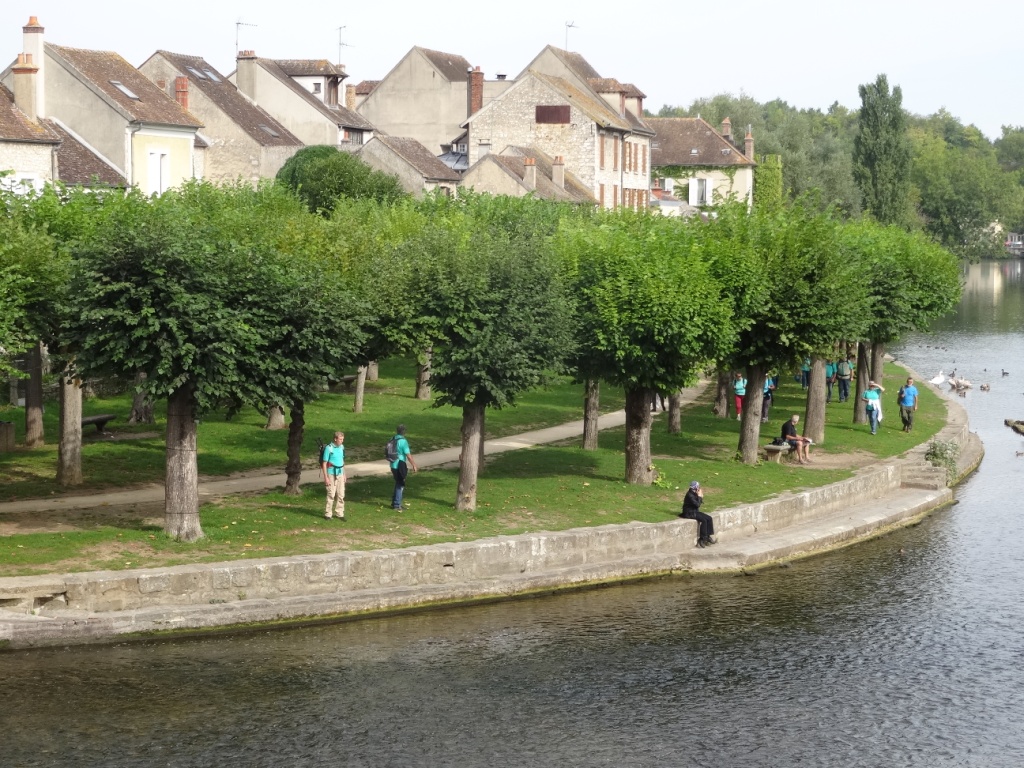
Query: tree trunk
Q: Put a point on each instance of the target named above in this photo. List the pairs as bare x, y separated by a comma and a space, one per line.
639, 470
877, 361
142, 404
293, 469
469, 461
722, 394
481, 462
275, 418
181, 485
675, 412
34, 437
814, 420
69, 450
357, 407
860, 416
750, 426
372, 371
423, 375
591, 412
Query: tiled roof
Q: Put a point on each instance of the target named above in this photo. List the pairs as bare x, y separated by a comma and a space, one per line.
341, 116
632, 92
260, 126
676, 138
366, 87
575, 191
78, 165
420, 158
200, 143
103, 68
576, 63
310, 67
594, 106
16, 126
606, 85
454, 68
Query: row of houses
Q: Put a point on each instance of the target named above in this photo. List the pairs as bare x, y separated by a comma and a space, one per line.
558, 129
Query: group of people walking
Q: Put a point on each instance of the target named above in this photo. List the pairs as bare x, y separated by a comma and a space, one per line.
332, 468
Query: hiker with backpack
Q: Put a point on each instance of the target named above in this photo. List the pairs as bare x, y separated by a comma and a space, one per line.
907, 399
399, 456
844, 373
332, 466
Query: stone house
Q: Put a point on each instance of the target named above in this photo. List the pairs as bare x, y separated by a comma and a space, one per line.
699, 165
520, 171
110, 108
426, 96
243, 141
603, 143
416, 167
302, 95
28, 147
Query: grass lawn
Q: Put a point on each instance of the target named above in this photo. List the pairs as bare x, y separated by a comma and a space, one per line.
543, 488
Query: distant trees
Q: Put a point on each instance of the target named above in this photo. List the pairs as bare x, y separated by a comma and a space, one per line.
881, 152
321, 175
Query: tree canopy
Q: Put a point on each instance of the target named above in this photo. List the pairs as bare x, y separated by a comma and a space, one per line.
321, 175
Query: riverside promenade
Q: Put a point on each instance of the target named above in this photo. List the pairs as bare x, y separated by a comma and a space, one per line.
109, 606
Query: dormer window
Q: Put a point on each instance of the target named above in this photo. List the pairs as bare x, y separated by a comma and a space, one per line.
316, 87
196, 73
694, 151
124, 89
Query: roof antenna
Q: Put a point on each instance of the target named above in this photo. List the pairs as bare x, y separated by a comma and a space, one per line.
238, 25
569, 25
341, 44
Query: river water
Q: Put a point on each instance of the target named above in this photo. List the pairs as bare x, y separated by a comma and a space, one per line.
903, 651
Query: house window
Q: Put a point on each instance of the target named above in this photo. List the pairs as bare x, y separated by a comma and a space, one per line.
615, 153
316, 87
461, 148
601, 140
615, 195
700, 192
124, 89
483, 148
353, 137
159, 173
557, 114
600, 195
643, 162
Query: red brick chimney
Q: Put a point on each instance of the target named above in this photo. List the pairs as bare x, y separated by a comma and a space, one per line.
181, 91
476, 91
558, 172
748, 144
727, 129
530, 173
25, 73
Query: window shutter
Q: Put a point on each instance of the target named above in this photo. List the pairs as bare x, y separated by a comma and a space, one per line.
694, 193
601, 140
709, 186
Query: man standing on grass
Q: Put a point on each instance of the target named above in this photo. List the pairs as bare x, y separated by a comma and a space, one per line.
332, 465
400, 466
908, 404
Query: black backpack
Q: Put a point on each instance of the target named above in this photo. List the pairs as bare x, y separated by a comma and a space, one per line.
391, 449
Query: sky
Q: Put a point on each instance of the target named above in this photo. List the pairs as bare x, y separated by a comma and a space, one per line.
963, 57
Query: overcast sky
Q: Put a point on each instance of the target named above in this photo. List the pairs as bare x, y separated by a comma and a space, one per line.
965, 57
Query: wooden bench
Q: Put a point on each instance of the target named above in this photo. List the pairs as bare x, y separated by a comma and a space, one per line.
343, 381
776, 452
100, 421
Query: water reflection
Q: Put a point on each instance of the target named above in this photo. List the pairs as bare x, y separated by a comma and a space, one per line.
905, 651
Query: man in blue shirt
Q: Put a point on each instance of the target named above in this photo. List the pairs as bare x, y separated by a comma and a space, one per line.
400, 466
908, 404
332, 465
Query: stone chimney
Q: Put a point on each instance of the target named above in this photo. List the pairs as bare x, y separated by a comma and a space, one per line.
25, 74
181, 91
476, 90
530, 173
245, 77
727, 129
748, 145
350, 97
33, 45
558, 172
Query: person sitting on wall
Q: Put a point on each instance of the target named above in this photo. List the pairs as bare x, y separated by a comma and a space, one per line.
799, 443
691, 511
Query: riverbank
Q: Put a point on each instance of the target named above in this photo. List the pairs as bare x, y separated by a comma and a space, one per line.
107, 606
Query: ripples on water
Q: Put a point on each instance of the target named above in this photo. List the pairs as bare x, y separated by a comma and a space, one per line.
905, 651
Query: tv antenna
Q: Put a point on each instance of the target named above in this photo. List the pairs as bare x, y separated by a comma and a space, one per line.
238, 26
569, 25
341, 44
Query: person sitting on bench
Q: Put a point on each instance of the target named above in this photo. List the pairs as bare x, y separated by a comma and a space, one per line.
798, 443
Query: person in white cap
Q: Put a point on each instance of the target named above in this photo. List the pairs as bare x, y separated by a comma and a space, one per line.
691, 511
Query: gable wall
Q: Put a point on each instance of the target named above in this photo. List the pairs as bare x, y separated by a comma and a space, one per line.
489, 177
296, 114
27, 161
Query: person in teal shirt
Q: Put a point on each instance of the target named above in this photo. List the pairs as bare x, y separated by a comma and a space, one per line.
805, 373
830, 379
739, 388
400, 466
873, 404
332, 466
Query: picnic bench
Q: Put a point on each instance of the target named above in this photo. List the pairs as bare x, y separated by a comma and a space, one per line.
345, 381
100, 421
776, 452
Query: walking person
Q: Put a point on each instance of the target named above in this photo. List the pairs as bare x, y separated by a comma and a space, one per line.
830, 379
766, 398
873, 404
739, 389
844, 372
332, 466
908, 404
400, 466
691, 511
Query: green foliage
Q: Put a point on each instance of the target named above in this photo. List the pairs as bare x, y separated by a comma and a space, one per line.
320, 175
944, 453
768, 189
881, 152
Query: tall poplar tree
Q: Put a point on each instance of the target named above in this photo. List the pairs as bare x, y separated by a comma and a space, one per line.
881, 152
